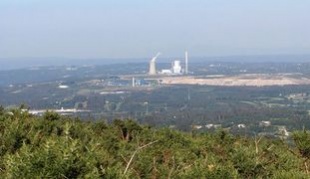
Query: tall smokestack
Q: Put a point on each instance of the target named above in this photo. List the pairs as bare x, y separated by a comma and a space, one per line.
186, 62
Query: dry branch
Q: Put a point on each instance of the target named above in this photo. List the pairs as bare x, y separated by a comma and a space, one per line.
135, 152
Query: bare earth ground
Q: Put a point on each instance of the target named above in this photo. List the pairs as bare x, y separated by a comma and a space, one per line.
258, 80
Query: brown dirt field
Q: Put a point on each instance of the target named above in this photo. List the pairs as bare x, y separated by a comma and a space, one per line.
258, 80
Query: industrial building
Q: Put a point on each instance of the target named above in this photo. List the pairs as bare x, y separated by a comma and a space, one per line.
176, 67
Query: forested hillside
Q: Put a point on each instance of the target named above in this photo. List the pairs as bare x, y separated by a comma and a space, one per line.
54, 146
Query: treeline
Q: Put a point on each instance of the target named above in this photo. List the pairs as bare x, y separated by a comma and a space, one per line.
54, 146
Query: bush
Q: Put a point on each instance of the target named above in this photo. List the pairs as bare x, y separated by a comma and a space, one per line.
52, 146
51, 116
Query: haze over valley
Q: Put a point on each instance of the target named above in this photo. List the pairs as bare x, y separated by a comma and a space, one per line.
216, 93
154, 89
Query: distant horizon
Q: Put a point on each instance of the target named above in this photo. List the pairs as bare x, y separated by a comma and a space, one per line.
20, 63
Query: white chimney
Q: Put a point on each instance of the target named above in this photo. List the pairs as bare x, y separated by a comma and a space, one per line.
186, 62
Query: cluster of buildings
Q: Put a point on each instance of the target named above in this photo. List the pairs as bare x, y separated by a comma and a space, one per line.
176, 67
61, 111
266, 129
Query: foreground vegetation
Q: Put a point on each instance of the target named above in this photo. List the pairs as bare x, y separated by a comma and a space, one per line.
53, 146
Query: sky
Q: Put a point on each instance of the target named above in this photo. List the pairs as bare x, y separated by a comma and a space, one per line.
141, 28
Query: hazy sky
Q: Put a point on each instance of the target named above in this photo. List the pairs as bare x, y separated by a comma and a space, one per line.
141, 28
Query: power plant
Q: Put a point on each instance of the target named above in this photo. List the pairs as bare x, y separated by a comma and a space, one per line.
176, 68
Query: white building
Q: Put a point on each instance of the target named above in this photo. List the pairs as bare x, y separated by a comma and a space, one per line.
264, 123
241, 126
166, 71
176, 67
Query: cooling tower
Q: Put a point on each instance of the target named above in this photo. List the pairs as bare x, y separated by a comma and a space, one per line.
152, 70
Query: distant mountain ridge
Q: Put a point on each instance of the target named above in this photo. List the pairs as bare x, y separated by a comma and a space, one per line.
26, 62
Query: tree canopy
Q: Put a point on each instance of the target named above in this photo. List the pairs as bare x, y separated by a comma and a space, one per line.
54, 146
